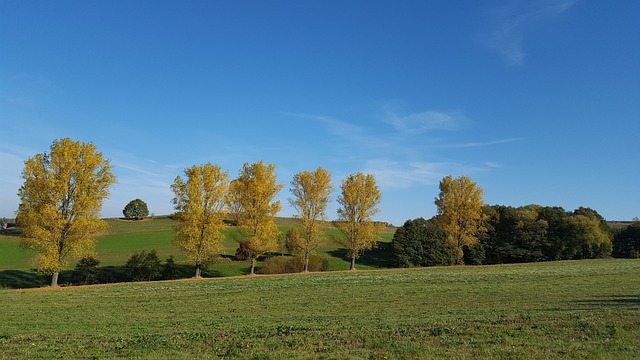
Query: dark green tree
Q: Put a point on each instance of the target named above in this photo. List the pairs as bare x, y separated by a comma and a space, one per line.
515, 235
422, 242
170, 269
86, 271
144, 266
626, 244
136, 210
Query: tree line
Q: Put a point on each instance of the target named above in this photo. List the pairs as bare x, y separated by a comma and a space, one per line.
63, 190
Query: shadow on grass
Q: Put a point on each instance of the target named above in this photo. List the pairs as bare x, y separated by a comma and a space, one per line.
380, 257
627, 301
19, 279
12, 231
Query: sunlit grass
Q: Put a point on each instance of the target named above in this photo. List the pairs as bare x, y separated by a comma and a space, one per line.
571, 309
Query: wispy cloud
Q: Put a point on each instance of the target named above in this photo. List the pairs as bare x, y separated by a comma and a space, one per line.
512, 23
404, 158
424, 121
479, 144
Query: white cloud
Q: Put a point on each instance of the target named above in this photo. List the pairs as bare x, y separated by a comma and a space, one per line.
424, 121
479, 144
514, 20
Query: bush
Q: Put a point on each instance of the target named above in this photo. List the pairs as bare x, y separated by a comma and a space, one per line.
136, 210
170, 269
86, 271
292, 264
144, 266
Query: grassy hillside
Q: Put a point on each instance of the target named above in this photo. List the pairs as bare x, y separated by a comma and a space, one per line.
122, 238
571, 309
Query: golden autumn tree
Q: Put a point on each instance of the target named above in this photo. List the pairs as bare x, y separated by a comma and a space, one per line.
200, 204
311, 191
252, 199
359, 200
61, 199
460, 212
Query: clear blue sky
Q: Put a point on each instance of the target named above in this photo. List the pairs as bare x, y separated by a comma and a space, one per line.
537, 101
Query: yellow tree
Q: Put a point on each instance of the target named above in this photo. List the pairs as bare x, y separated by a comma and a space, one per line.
460, 212
252, 199
61, 199
359, 200
200, 204
311, 191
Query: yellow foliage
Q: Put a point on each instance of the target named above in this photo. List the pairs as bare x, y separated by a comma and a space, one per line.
311, 191
251, 199
460, 210
359, 200
61, 199
200, 205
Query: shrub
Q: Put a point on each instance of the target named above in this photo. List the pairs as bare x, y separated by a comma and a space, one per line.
292, 264
144, 266
170, 269
86, 271
136, 210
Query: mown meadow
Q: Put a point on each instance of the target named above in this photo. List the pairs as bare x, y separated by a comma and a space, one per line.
568, 309
123, 238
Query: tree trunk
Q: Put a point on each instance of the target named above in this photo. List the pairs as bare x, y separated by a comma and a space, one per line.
353, 263
253, 267
54, 279
197, 271
306, 262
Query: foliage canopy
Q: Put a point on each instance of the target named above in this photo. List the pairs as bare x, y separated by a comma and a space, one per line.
136, 210
460, 207
200, 204
358, 201
312, 192
252, 202
61, 199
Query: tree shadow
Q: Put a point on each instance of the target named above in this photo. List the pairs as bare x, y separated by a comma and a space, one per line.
380, 256
627, 301
19, 279
12, 231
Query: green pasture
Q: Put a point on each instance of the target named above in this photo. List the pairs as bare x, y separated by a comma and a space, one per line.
587, 309
122, 238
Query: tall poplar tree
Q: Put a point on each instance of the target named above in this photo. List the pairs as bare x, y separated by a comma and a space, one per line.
61, 199
460, 211
252, 199
311, 191
200, 204
359, 200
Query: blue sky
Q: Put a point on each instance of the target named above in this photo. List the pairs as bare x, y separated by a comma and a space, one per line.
537, 101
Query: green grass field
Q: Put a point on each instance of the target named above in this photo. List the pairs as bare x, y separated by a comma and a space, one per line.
555, 310
123, 238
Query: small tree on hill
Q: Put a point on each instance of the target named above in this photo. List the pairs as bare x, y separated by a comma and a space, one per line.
136, 210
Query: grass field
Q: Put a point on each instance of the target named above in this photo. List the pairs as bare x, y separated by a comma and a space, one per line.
571, 309
123, 238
